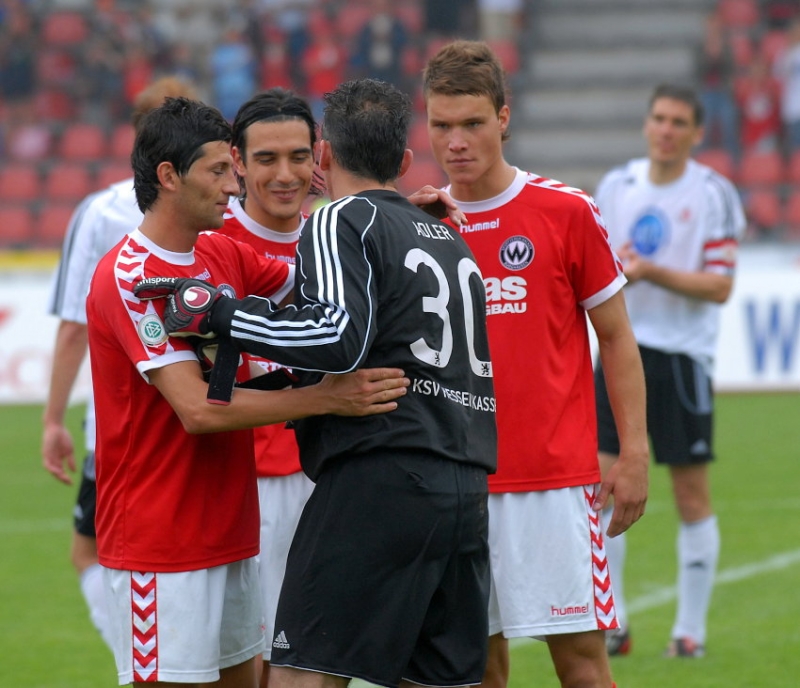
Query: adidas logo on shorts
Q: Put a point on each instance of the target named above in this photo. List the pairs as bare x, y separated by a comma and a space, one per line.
280, 641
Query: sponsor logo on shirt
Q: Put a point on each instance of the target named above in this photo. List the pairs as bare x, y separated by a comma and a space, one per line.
151, 330
569, 611
433, 388
650, 232
506, 295
517, 252
479, 226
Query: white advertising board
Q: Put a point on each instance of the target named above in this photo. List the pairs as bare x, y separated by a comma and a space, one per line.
759, 346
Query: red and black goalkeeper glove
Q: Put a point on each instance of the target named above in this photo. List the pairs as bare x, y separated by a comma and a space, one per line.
189, 303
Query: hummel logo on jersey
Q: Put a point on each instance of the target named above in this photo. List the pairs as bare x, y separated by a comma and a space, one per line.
699, 447
281, 641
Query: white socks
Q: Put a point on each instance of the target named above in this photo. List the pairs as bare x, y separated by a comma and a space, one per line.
615, 551
698, 551
91, 581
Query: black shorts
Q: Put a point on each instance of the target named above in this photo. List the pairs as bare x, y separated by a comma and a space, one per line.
680, 402
388, 574
86, 503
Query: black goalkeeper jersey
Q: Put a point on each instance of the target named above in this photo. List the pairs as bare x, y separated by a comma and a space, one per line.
382, 283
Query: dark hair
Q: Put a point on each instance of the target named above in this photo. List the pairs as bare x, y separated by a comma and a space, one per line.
174, 133
274, 105
685, 94
466, 68
366, 123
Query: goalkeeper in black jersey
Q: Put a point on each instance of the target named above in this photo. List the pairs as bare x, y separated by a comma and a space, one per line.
387, 578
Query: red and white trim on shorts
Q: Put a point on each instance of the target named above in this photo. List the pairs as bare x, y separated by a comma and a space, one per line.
144, 627
604, 609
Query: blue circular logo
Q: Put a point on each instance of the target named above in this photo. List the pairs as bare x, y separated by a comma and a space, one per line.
650, 232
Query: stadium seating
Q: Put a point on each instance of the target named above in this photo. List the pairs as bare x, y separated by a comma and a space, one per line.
120, 142
68, 181
418, 137
763, 209
718, 159
16, 226
112, 171
791, 215
64, 28
424, 170
20, 184
52, 223
741, 14
757, 168
82, 142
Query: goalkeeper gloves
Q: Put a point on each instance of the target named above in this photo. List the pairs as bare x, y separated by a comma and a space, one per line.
189, 303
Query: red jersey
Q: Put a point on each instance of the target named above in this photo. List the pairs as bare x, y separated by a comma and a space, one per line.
275, 445
545, 258
167, 500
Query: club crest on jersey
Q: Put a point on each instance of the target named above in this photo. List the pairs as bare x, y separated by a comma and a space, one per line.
227, 290
650, 232
151, 330
517, 252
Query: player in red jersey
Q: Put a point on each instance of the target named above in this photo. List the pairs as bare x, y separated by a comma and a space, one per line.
178, 523
273, 151
546, 263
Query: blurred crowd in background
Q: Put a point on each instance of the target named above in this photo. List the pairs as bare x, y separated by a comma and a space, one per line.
70, 69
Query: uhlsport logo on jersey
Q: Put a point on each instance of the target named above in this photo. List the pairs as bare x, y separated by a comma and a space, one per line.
151, 330
517, 252
650, 232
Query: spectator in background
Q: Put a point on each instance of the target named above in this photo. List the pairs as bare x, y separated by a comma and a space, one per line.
17, 63
787, 71
99, 86
324, 64
758, 97
233, 69
778, 14
715, 70
379, 46
499, 20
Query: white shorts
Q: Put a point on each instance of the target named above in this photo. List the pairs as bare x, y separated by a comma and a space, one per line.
548, 563
281, 500
184, 627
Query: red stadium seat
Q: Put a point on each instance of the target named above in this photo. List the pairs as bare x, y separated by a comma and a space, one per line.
52, 223
763, 209
424, 170
20, 184
791, 214
111, 172
352, 18
793, 169
16, 226
412, 16
68, 181
55, 66
773, 43
64, 28
120, 142
742, 48
742, 14
53, 104
757, 168
418, 140
82, 141
507, 52
718, 159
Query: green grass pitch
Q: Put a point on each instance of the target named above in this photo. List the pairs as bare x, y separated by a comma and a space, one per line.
754, 632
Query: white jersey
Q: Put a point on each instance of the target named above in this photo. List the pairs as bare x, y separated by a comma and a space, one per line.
97, 224
692, 224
